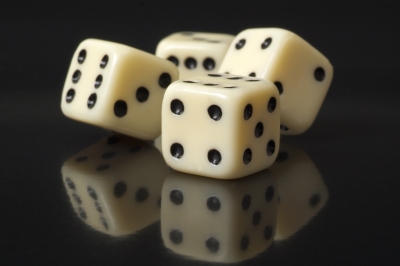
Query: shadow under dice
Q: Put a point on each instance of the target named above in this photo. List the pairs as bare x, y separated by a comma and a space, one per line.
220, 126
194, 53
300, 72
115, 185
117, 87
218, 220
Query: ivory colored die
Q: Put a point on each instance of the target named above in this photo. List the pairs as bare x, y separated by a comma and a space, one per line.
195, 53
301, 73
220, 126
117, 87
115, 185
219, 220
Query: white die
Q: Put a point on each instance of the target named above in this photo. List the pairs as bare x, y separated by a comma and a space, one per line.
219, 220
115, 185
195, 53
300, 72
117, 87
220, 126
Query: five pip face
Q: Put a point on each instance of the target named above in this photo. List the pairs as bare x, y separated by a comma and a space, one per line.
121, 88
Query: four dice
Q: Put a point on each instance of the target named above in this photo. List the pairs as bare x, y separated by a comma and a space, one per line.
217, 125
222, 119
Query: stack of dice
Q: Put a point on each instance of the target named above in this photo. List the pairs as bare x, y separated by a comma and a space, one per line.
220, 101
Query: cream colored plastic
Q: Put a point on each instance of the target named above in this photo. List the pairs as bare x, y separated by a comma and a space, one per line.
198, 45
290, 60
104, 165
231, 135
228, 225
302, 191
127, 70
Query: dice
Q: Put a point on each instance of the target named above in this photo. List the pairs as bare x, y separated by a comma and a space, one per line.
220, 126
218, 220
115, 185
300, 72
194, 53
302, 192
117, 87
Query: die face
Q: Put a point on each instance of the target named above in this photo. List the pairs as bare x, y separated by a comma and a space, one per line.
302, 192
225, 130
123, 95
194, 53
301, 73
218, 220
115, 185
80, 85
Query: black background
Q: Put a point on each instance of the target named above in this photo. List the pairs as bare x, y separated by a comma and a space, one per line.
353, 142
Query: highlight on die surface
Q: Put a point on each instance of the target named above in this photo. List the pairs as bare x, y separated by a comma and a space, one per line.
194, 53
117, 87
220, 126
300, 72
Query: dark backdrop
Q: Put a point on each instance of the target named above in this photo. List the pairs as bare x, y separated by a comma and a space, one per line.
353, 142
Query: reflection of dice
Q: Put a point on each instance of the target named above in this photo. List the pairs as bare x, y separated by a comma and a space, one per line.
218, 220
117, 87
220, 126
299, 71
115, 185
302, 192
194, 53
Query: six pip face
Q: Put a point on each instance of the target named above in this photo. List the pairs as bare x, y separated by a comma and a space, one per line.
88, 74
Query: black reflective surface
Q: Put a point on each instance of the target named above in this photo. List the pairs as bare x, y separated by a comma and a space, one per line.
353, 144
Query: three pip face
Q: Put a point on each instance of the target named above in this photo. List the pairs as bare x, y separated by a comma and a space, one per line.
227, 99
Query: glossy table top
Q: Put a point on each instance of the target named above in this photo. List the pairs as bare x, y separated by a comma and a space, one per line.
334, 198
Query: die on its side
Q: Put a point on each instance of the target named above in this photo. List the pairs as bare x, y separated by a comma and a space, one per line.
300, 72
115, 185
219, 220
220, 126
194, 53
302, 191
117, 87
